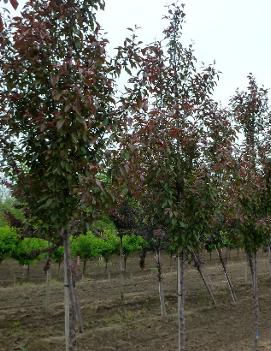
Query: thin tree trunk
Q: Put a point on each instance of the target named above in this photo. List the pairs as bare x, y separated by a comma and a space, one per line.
84, 267
58, 271
106, 264
125, 257
226, 275
121, 271
181, 302
252, 259
170, 262
66, 300
47, 296
28, 272
157, 258
78, 310
246, 269
198, 266
269, 257
142, 258
70, 309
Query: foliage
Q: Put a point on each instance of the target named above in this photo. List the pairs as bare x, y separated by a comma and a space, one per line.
249, 186
86, 246
29, 250
174, 131
58, 254
132, 243
8, 242
57, 96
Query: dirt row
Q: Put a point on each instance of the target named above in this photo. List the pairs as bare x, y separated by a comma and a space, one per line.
28, 324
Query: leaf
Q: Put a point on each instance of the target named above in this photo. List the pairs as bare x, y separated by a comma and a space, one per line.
127, 70
1, 24
14, 4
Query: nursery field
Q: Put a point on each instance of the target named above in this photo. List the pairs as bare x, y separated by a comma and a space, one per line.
30, 320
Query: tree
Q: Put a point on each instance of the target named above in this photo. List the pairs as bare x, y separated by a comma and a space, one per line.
165, 153
250, 184
177, 142
86, 246
8, 242
131, 243
58, 256
28, 251
56, 116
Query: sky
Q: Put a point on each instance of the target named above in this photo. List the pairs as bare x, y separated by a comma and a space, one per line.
233, 33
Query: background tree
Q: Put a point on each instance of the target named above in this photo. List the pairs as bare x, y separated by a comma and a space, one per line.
28, 251
57, 256
86, 246
8, 242
131, 244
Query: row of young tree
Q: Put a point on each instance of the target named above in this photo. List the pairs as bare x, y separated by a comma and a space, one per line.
29, 250
163, 157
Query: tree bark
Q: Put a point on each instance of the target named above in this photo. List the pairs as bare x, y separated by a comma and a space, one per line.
70, 309
121, 271
28, 273
181, 302
233, 295
106, 264
269, 257
142, 258
47, 296
125, 257
58, 271
157, 258
84, 267
198, 266
252, 259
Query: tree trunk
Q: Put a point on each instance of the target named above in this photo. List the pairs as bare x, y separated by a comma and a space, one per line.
170, 261
269, 257
142, 258
198, 266
84, 267
181, 302
252, 259
157, 258
70, 309
47, 296
28, 272
106, 264
78, 311
226, 275
121, 271
58, 271
125, 257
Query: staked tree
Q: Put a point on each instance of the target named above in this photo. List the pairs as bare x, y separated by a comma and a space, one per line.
172, 130
56, 98
250, 182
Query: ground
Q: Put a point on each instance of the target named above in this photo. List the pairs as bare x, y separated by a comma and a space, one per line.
27, 325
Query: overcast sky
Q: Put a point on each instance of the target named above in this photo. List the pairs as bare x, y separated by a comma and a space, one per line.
234, 33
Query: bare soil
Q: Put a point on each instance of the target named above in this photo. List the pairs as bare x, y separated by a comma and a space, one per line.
135, 324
